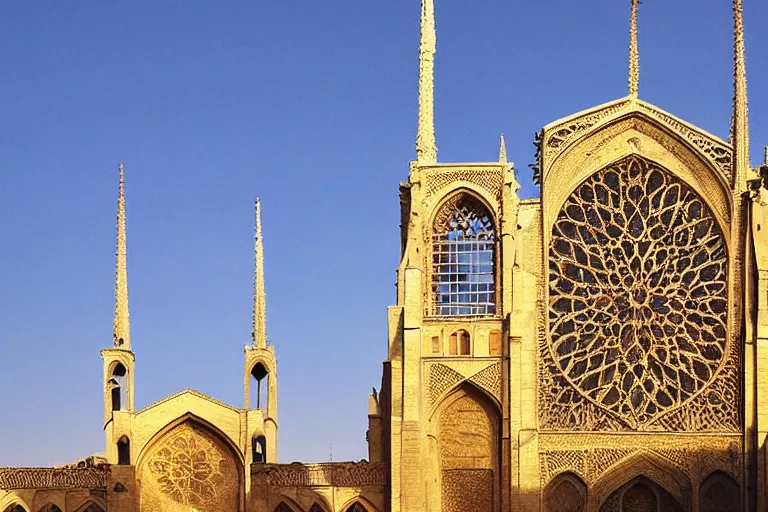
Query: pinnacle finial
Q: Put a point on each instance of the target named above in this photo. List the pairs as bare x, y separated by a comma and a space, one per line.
121, 330
503, 150
426, 147
742, 168
634, 53
259, 334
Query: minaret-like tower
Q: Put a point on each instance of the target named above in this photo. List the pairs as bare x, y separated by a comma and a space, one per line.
119, 360
634, 53
260, 369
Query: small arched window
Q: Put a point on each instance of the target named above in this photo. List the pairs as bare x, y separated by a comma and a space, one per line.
259, 447
356, 507
117, 385
259, 376
460, 344
15, 508
316, 508
463, 258
124, 451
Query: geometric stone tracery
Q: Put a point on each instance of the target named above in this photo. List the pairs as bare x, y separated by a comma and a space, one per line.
638, 293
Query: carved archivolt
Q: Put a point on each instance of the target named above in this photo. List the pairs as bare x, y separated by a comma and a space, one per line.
637, 307
560, 136
442, 378
189, 468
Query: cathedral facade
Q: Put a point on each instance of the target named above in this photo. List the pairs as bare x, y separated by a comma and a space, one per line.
602, 348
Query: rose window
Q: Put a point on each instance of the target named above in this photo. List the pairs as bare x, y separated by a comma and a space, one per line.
637, 307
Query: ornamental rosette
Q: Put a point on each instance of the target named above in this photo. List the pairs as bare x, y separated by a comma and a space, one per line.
637, 293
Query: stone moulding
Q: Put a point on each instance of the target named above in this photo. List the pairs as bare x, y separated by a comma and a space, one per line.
49, 478
561, 134
488, 177
332, 474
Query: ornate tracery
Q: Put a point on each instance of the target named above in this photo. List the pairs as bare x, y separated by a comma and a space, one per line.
463, 258
638, 296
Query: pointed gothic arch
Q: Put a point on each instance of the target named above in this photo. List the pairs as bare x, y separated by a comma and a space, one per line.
463, 259
641, 465
466, 449
719, 493
218, 487
50, 507
567, 492
91, 506
124, 451
15, 507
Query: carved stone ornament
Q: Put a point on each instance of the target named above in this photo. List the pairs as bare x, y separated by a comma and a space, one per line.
442, 378
637, 303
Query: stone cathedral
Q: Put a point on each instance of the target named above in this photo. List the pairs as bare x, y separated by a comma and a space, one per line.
602, 348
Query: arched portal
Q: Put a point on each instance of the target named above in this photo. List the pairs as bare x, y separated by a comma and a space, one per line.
641, 495
719, 493
15, 508
566, 493
190, 467
468, 448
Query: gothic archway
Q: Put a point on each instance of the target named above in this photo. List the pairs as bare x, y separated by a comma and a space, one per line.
641, 495
468, 451
566, 493
190, 466
719, 493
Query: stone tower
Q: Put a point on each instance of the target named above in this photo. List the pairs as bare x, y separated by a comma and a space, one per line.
119, 360
260, 369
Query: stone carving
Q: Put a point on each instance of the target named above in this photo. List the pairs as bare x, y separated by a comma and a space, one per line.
467, 490
638, 309
442, 378
48, 478
715, 150
489, 178
560, 136
190, 468
336, 474
490, 380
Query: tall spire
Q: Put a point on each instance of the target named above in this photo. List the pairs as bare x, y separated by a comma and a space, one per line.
634, 53
503, 150
426, 147
259, 295
742, 169
122, 324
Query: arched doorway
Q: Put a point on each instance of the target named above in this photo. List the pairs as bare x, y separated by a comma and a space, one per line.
190, 467
641, 495
566, 493
468, 449
719, 493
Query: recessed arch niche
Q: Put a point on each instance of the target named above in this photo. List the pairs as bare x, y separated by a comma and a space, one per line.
190, 467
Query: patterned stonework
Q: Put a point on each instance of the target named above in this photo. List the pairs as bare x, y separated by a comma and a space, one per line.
488, 178
190, 469
341, 474
442, 378
47, 478
638, 305
559, 137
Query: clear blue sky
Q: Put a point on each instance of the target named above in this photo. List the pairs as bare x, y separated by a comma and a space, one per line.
310, 105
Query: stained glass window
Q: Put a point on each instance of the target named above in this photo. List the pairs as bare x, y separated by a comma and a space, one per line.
463, 259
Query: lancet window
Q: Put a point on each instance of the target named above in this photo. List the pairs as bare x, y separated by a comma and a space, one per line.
463, 258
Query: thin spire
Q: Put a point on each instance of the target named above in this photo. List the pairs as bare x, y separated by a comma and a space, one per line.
426, 147
122, 324
259, 295
634, 53
503, 150
742, 168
